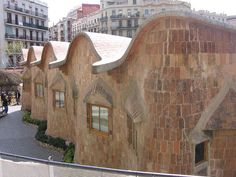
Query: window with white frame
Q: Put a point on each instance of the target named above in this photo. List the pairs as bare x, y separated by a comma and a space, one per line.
59, 99
98, 117
39, 90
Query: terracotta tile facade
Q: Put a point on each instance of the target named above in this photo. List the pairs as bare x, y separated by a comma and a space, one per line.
173, 86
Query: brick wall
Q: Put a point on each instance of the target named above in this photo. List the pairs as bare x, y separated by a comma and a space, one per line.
223, 153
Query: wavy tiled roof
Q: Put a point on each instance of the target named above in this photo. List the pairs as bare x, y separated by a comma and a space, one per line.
111, 51
25, 56
37, 53
60, 50
107, 48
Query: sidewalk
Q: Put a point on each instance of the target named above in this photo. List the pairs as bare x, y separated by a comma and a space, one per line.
17, 137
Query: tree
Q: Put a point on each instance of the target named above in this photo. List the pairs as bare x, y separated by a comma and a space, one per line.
14, 49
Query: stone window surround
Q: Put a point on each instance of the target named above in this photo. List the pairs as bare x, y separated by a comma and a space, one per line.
89, 120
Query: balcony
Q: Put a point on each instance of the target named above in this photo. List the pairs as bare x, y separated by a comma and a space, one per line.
13, 22
104, 18
35, 26
24, 38
25, 11
120, 16
104, 29
123, 27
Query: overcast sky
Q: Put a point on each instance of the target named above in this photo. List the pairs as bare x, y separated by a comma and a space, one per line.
59, 9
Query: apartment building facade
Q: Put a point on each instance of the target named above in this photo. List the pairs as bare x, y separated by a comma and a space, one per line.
23, 23
63, 30
123, 17
90, 23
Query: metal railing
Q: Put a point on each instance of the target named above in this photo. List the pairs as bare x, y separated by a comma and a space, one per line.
25, 11
23, 37
123, 16
31, 25
21, 166
35, 26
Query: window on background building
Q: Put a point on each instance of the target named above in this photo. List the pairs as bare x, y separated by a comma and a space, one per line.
152, 11
129, 13
24, 19
129, 23
39, 90
23, 6
120, 23
36, 12
31, 21
113, 12
17, 32
42, 36
37, 35
146, 12
120, 33
201, 152
113, 32
9, 19
59, 99
129, 33
16, 20
134, 2
98, 117
24, 34
135, 22
120, 12
31, 35
37, 22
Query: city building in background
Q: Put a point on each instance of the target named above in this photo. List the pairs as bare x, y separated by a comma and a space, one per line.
62, 31
123, 17
212, 15
23, 23
90, 23
231, 20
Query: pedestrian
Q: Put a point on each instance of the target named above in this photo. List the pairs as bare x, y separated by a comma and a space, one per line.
17, 96
9, 98
5, 103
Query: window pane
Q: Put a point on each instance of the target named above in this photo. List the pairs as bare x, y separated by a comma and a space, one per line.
57, 104
104, 119
95, 117
62, 99
57, 95
200, 152
62, 96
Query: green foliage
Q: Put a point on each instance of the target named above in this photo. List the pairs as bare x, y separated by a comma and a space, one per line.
56, 142
42, 126
14, 47
28, 119
69, 154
